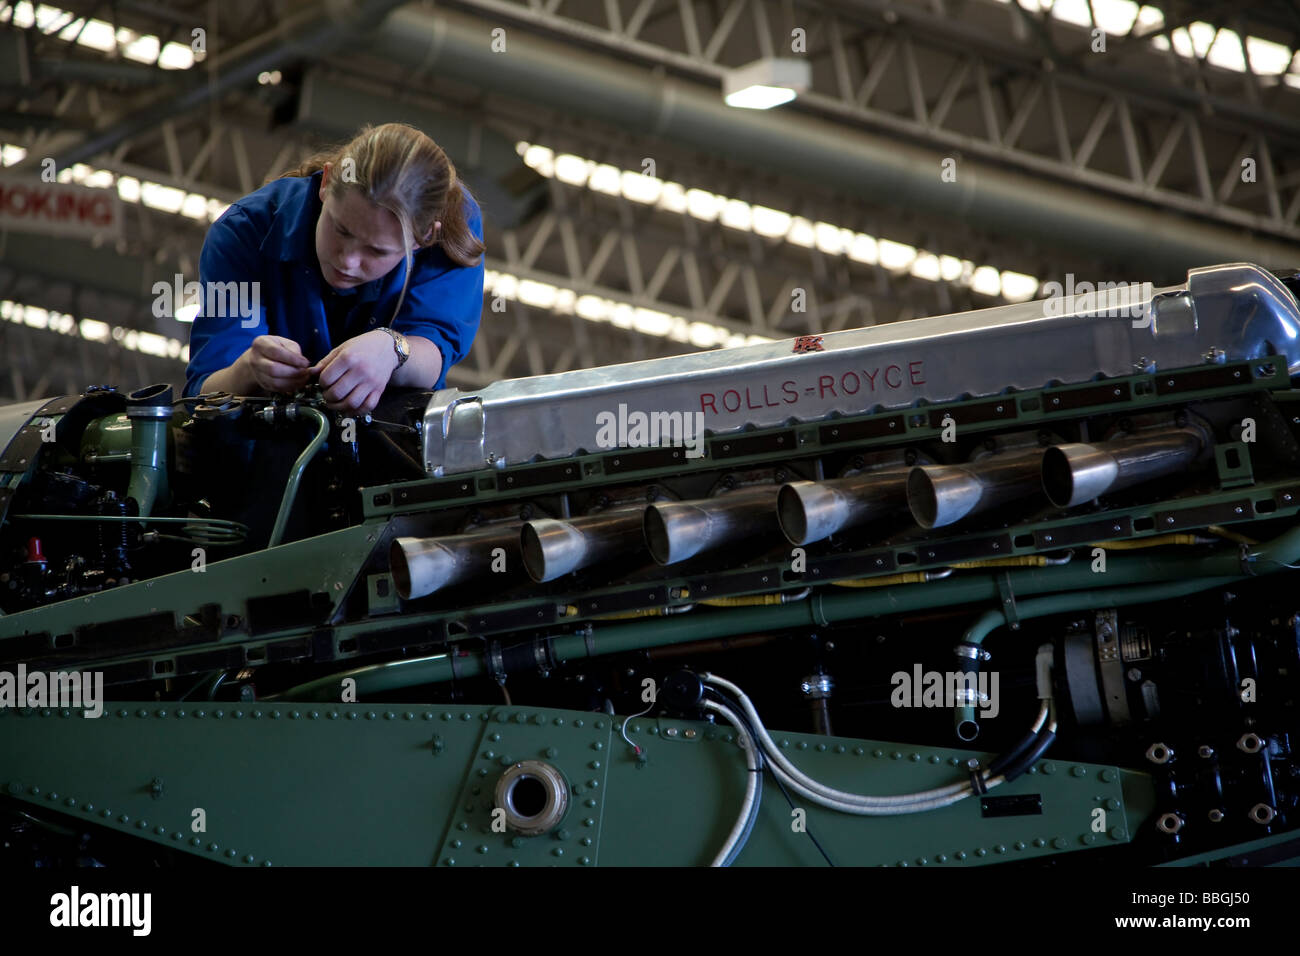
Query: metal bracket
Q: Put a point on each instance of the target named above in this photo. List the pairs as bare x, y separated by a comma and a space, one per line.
1008, 601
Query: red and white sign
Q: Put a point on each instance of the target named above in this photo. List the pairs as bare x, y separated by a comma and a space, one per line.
59, 209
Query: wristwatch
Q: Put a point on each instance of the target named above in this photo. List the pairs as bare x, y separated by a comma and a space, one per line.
400, 345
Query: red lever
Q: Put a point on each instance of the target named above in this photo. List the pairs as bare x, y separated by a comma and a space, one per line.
34, 555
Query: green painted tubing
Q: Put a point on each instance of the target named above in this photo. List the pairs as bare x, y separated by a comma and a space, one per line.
1280, 552
295, 473
994, 618
819, 610
148, 463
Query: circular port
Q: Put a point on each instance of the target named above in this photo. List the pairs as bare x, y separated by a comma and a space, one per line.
1159, 753
534, 796
1169, 823
1250, 744
1262, 813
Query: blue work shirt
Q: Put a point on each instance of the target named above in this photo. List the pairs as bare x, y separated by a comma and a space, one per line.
270, 237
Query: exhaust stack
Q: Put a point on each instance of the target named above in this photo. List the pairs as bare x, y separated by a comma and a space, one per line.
812, 510
675, 531
421, 566
1075, 473
939, 495
554, 548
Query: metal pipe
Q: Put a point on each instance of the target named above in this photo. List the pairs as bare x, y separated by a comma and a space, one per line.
421, 566
554, 548
812, 510
939, 495
311, 34
675, 531
295, 473
149, 410
821, 611
1075, 473
964, 714
875, 167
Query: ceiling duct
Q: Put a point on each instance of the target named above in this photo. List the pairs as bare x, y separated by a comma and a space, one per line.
508, 192
1152, 243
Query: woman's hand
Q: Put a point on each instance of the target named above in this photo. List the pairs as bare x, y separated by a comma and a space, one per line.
276, 364
354, 375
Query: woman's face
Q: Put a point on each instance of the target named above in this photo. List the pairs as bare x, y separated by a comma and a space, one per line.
356, 241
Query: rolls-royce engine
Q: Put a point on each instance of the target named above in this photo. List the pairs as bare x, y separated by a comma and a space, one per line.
1006, 587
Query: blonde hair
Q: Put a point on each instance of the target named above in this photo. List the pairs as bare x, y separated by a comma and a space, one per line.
400, 169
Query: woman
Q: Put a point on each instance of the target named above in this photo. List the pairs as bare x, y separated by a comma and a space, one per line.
369, 266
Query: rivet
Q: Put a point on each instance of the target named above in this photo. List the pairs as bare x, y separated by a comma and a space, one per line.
450, 861
585, 860
275, 715
1108, 775
160, 830
1089, 838
195, 841
248, 858
595, 765
558, 851
821, 748
231, 854
212, 848
578, 722
896, 755
52, 795
597, 746
1019, 844
462, 825
177, 835
1000, 848
558, 721
941, 858
371, 715
593, 784
482, 772
482, 848
1048, 767
591, 802
785, 743
1060, 843
1077, 771
106, 814
915, 758
1040, 842
389, 715
589, 822
446, 715
203, 713
71, 802
877, 753
981, 852
517, 842
1112, 804
1117, 833
142, 824
124, 818
142, 712
466, 716
489, 755
585, 841
494, 737
960, 854
840, 748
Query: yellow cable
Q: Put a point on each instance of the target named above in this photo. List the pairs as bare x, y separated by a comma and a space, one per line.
753, 600
1230, 535
908, 577
1140, 543
1023, 561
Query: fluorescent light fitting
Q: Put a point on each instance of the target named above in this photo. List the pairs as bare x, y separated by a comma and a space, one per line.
766, 82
